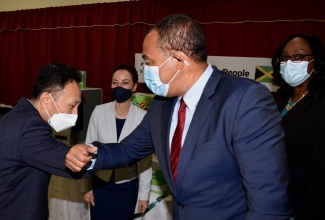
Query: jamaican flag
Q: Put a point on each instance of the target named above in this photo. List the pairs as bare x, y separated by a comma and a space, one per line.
263, 74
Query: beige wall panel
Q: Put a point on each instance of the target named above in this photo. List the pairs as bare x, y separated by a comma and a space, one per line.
14, 5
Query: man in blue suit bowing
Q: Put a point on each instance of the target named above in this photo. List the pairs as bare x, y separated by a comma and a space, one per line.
28, 152
231, 162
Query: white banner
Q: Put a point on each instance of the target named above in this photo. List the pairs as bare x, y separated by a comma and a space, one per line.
259, 69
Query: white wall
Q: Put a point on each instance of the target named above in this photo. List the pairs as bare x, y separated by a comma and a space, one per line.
14, 5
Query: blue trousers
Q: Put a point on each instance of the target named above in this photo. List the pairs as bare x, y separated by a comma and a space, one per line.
114, 201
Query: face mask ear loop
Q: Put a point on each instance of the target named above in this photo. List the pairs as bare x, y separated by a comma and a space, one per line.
312, 69
311, 61
165, 61
47, 113
173, 77
186, 63
55, 104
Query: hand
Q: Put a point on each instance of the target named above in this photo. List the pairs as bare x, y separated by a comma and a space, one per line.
89, 197
142, 206
78, 156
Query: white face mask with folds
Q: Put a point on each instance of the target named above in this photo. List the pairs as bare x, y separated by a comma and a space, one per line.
60, 122
295, 73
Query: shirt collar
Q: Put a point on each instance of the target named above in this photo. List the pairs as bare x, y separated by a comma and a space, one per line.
193, 95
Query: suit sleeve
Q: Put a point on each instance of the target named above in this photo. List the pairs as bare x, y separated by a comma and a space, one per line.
260, 152
39, 149
130, 150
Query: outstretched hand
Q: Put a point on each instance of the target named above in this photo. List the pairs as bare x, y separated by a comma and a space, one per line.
78, 156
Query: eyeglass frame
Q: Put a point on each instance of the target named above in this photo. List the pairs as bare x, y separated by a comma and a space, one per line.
294, 61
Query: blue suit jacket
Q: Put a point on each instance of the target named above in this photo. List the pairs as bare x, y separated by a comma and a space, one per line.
28, 156
233, 162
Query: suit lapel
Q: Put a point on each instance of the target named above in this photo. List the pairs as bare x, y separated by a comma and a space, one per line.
167, 112
198, 121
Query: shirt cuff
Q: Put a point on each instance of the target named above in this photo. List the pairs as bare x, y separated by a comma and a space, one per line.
92, 162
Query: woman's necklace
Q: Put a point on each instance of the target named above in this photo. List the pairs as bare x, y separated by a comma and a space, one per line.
119, 116
289, 105
123, 110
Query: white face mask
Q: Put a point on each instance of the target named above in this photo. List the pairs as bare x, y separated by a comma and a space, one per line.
295, 73
153, 81
61, 121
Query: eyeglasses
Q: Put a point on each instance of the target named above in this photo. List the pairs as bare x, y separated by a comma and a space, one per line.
296, 58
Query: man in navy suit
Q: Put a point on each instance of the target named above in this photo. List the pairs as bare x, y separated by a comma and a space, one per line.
232, 164
28, 152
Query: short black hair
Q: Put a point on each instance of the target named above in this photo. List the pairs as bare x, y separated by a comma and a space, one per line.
178, 32
53, 77
317, 84
131, 69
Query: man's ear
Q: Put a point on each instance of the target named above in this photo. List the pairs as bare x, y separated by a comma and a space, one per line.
45, 99
182, 59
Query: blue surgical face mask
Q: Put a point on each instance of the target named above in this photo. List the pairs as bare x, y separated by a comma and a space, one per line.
295, 73
153, 81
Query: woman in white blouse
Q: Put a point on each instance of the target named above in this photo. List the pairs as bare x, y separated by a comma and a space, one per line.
113, 194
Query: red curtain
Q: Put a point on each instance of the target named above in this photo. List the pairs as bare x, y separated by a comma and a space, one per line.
97, 37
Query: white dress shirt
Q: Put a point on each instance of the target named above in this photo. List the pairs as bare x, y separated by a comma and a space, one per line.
191, 99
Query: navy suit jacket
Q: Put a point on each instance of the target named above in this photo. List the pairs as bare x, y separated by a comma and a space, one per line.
28, 156
233, 162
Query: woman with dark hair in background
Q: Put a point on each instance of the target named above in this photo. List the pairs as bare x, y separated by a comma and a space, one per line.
299, 71
115, 192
